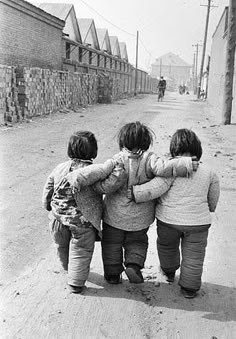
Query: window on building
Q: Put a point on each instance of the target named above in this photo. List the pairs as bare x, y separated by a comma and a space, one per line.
110, 62
105, 62
68, 51
90, 57
98, 60
80, 54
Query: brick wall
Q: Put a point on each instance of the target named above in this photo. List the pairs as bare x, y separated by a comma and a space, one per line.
31, 38
27, 92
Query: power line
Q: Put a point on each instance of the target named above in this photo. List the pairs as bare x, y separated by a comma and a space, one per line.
106, 19
145, 48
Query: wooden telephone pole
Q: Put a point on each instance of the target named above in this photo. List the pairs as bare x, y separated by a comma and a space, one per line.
204, 49
136, 66
229, 70
196, 68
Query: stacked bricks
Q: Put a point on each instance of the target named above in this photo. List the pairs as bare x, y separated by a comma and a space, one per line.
28, 92
42, 91
109, 89
9, 106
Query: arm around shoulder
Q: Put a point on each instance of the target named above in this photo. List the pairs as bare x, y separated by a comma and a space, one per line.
171, 167
152, 189
89, 175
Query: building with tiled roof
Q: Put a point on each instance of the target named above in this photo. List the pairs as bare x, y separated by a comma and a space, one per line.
65, 12
104, 40
123, 51
88, 32
115, 47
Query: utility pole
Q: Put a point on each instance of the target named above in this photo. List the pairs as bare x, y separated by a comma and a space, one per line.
136, 66
204, 48
196, 68
193, 71
229, 71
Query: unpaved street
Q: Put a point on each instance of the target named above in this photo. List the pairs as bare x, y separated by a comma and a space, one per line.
35, 300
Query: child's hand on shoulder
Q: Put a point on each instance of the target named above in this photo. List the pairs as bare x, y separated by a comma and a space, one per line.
118, 162
130, 194
195, 163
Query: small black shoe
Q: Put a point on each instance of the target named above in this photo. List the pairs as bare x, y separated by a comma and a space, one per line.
76, 289
134, 274
170, 277
113, 279
189, 294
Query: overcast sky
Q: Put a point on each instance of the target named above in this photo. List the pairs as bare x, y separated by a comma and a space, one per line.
164, 25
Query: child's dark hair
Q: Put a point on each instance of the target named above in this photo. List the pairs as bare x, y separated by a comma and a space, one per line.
185, 141
135, 135
82, 145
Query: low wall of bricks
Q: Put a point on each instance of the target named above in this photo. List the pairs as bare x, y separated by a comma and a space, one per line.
28, 92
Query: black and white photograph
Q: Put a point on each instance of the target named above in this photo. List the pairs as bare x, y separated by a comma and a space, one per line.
118, 169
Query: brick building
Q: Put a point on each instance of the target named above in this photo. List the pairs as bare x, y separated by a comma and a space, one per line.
173, 68
29, 36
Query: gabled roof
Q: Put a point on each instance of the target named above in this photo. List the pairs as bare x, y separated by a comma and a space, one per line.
59, 10
123, 51
115, 47
104, 40
171, 59
65, 12
88, 32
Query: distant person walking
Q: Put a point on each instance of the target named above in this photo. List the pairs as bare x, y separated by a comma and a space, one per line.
162, 85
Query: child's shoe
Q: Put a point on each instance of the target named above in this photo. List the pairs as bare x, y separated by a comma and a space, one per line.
76, 289
113, 279
134, 274
170, 276
189, 294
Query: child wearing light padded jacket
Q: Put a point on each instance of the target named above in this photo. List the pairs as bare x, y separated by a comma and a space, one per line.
183, 214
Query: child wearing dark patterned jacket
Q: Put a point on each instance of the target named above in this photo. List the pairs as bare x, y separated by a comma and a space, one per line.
75, 217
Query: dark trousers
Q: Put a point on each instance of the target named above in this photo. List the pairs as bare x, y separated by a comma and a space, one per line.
193, 242
120, 247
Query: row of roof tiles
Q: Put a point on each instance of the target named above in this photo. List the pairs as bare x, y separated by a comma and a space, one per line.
84, 30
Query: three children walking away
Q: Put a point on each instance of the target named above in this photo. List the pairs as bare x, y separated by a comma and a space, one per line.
73, 195
75, 219
183, 214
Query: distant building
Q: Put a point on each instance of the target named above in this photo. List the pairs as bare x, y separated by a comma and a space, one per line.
29, 36
173, 68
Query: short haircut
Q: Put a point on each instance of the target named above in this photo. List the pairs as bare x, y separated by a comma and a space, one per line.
82, 145
185, 141
135, 135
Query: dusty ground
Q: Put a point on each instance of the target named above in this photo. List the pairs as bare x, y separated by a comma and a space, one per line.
35, 300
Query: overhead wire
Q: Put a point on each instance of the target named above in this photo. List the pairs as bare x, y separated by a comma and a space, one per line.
121, 29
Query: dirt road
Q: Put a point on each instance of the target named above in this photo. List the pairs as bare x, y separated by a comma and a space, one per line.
35, 300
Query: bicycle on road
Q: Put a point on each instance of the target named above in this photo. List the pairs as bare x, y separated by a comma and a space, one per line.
160, 94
